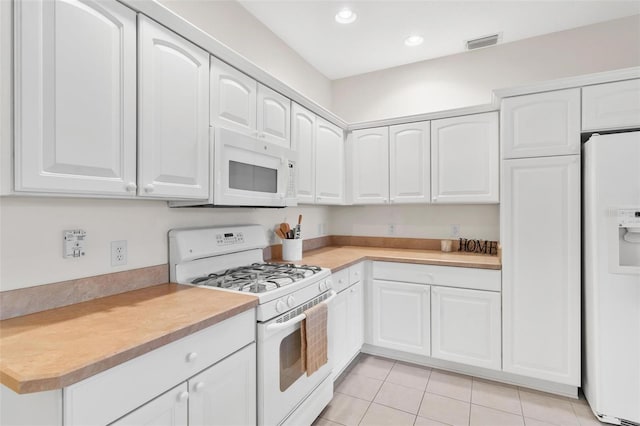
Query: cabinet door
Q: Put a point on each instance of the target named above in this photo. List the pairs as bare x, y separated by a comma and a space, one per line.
356, 319
611, 106
339, 320
75, 97
540, 125
409, 163
466, 326
233, 98
400, 316
369, 166
274, 117
173, 143
465, 159
169, 409
540, 233
329, 163
225, 394
303, 141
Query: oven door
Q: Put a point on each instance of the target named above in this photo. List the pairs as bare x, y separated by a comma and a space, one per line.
251, 172
282, 384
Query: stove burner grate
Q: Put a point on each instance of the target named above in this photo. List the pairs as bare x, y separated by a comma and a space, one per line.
257, 277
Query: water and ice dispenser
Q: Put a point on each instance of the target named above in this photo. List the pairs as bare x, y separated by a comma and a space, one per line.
626, 250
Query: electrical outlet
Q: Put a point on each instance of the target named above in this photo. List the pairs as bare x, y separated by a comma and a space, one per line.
118, 253
391, 229
455, 231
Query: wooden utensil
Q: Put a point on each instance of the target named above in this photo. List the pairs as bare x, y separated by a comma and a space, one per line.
284, 227
280, 234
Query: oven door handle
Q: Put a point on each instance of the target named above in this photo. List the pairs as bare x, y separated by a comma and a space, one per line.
279, 325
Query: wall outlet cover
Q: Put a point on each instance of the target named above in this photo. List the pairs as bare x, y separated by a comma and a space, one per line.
118, 253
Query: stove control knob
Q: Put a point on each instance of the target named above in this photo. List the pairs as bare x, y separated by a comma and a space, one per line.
322, 286
280, 306
291, 301
329, 284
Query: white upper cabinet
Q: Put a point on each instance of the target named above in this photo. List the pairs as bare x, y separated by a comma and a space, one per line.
274, 115
611, 106
75, 97
240, 103
540, 236
541, 125
329, 163
409, 163
465, 159
233, 98
173, 108
369, 171
303, 141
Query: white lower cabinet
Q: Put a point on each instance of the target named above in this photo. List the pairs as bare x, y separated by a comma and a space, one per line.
169, 409
225, 394
347, 327
465, 326
400, 314
211, 373
222, 395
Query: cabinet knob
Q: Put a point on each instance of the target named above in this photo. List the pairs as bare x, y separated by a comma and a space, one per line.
191, 356
434, 199
148, 188
130, 187
198, 386
183, 396
353, 290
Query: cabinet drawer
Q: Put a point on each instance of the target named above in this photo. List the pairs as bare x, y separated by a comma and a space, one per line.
446, 276
107, 396
356, 273
340, 279
611, 106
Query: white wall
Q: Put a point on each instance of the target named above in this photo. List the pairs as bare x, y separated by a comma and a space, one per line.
417, 221
31, 233
468, 79
228, 22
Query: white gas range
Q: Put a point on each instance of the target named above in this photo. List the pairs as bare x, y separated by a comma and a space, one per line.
231, 259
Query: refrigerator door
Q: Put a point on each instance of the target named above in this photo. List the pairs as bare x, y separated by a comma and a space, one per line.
611, 276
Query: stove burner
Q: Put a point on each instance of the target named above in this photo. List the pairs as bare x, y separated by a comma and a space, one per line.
257, 277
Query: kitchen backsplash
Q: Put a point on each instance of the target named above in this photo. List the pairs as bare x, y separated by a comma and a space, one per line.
31, 229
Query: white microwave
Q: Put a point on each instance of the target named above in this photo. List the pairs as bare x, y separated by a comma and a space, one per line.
247, 171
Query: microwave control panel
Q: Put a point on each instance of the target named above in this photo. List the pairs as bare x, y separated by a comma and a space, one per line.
229, 238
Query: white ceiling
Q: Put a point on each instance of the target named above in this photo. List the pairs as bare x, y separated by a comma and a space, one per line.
376, 40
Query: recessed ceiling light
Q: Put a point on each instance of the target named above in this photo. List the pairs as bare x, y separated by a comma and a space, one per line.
413, 40
346, 16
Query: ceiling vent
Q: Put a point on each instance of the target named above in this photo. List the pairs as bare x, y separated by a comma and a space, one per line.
486, 41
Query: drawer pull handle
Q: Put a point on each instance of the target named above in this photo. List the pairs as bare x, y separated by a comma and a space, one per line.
198, 386
192, 356
183, 396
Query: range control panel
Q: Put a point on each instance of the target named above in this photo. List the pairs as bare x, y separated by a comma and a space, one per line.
229, 238
629, 217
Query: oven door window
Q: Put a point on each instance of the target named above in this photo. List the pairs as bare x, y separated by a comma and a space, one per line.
290, 360
249, 177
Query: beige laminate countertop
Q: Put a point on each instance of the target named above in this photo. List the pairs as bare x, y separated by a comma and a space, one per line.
336, 258
56, 348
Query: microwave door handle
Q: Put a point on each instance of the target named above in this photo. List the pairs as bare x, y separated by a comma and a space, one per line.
280, 325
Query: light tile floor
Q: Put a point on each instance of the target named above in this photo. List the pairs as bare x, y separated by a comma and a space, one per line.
379, 391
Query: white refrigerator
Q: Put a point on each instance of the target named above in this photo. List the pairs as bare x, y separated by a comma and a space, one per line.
611, 276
